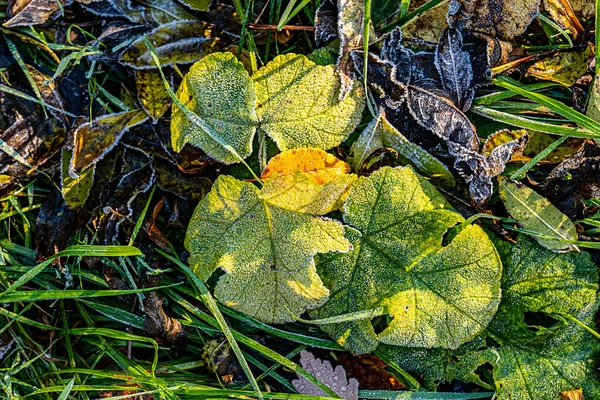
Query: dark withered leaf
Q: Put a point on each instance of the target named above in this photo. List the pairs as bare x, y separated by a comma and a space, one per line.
326, 22
102, 8
34, 141
93, 141
29, 12
171, 179
430, 108
152, 93
160, 325
49, 93
54, 226
198, 5
453, 63
181, 42
119, 207
394, 52
151, 12
574, 180
503, 18
73, 89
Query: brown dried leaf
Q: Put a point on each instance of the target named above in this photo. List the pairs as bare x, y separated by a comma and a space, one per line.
430, 25
159, 324
503, 18
565, 68
94, 140
370, 371
30, 12
576, 394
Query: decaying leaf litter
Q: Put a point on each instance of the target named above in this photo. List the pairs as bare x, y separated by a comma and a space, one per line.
214, 199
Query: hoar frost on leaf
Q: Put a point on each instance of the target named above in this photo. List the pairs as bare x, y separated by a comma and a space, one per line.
529, 362
265, 241
438, 296
335, 379
291, 99
408, 87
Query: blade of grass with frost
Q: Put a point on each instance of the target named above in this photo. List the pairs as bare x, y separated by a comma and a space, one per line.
553, 24
554, 105
114, 334
527, 123
349, 317
14, 92
35, 295
491, 98
211, 304
17, 56
577, 243
192, 116
265, 351
85, 251
67, 390
521, 172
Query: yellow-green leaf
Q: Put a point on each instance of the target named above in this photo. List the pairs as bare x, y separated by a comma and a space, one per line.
435, 295
536, 214
266, 252
308, 180
152, 93
298, 105
565, 68
219, 90
75, 190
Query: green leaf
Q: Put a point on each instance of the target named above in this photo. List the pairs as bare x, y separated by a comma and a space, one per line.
298, 106
538, 365
380, 133
436, 296
535, 213
76, 190
219, 90
267, 252
528, 363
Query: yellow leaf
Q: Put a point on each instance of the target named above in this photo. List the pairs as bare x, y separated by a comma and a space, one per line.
566, 68
320, 166
576, 394
308, 181
562, 12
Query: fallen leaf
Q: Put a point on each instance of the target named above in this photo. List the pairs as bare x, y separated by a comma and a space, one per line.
564, 15
152, 94
152, 12
396, 221
350, 32
221, 360
75, 190
179, 42
266, 252
309, 181
565, 68
503, 18
370, 371
536, 214
93, 140
54, 226
219, 90
30, 12
157, 323
326, 22
297, 104
576, 394
454, 66
324, 372
198, 5
429, 25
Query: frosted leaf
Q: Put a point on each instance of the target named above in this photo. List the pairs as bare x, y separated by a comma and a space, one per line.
219, 90
267, 252
454, 65
335, 379
298, 106
179, 42
535, 213
397, 221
